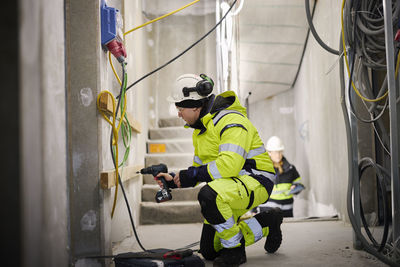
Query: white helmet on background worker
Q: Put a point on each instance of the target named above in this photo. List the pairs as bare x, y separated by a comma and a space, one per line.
274, 143
191, 87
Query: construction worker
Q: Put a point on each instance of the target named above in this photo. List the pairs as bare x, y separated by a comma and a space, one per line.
230, 157
288, 181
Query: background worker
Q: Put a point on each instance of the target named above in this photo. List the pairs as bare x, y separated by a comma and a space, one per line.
230, 157
288, 181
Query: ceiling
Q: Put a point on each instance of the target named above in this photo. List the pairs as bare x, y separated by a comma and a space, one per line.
272, 38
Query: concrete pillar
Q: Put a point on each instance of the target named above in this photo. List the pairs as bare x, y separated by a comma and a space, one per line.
83, 54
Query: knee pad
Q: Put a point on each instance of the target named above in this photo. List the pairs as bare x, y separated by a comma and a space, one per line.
270, 217
207, 198
207, 243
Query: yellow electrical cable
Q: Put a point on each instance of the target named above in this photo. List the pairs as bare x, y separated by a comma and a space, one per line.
147, 23
115, 137
113, 69
348, 68
164, 16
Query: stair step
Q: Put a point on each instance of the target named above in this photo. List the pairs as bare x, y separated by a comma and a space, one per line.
148, 179
170, 133
170, 212
182, 145
172, 160
182, 194
168, 122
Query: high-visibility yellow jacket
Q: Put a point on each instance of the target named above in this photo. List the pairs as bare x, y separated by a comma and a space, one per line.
226, 144
284, 182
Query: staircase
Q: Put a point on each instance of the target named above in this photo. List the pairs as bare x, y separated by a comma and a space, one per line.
170, 144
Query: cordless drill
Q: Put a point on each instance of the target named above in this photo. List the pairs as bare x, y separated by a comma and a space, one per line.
164, 194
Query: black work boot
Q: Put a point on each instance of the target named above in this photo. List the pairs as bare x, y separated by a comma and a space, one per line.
231, 257
273, 219
243, 257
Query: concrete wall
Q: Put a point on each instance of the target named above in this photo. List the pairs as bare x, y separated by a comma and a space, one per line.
43, 134
276, 116
317, 94
309, 119
169, 37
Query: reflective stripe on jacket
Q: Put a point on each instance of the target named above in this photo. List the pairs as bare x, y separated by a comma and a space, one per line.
230, 143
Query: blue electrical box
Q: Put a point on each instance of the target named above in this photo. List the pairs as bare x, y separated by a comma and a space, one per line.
111, 24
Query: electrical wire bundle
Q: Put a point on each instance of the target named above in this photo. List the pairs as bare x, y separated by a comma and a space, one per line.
365, 32
363, 44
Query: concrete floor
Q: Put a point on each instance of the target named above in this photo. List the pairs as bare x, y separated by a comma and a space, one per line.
305, 243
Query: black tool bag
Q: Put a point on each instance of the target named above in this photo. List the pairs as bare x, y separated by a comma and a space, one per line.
158, 258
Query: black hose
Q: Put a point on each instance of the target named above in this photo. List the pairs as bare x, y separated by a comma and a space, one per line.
314, 32
362, 166
116, 163
304, 47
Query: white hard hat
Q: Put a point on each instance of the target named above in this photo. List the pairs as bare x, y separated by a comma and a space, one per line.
274, 143
196, 87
